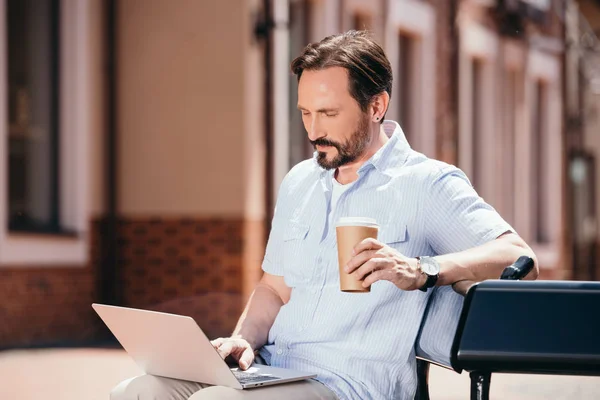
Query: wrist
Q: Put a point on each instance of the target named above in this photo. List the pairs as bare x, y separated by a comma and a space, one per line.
452, 271
244, 336
421, 277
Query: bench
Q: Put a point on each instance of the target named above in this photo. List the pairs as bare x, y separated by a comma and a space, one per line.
508, 326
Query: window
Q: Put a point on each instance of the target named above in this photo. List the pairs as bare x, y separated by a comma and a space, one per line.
33, 100
478, 120
511, 102
538, 207
539, 161
360, 15
299, 22
477, 123
47, 47
362, 21
300, 28
407, 82
409, 39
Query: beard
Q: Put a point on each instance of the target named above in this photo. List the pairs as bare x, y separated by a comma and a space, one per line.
347, 152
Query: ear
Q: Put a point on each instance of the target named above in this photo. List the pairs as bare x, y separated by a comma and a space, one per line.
379, 106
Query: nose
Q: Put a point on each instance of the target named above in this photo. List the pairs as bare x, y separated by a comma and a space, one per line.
314, 129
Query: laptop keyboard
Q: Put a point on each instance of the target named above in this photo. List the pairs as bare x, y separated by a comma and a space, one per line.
245, 377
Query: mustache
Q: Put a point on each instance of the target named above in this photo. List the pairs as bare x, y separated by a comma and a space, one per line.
324, 142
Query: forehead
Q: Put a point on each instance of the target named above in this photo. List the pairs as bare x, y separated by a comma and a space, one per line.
321, 86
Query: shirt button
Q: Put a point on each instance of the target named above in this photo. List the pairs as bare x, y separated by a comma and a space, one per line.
279, 351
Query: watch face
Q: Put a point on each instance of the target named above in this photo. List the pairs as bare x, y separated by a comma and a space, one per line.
430, 266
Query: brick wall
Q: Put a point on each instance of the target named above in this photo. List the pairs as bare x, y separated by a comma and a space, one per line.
161, 259
49, 305
193, 266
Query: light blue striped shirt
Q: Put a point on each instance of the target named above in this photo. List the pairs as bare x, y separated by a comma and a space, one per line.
361, 345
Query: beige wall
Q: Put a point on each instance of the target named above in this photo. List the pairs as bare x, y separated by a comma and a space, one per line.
183, 124
254, 161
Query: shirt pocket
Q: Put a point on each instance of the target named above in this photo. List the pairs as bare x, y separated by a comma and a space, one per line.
395, 236
297, 256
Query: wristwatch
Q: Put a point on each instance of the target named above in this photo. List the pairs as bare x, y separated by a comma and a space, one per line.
430, 267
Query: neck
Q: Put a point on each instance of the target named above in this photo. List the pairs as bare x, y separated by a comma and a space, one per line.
349, 173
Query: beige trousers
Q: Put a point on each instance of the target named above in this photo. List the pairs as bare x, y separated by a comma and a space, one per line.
149, 387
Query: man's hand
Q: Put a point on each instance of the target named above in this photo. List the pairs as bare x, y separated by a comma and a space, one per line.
236, 347
374, 261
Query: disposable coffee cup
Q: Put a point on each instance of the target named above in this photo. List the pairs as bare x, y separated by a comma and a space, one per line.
350, 231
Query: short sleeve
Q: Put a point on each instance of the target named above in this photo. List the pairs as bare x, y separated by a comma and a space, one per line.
457, 218
273, 260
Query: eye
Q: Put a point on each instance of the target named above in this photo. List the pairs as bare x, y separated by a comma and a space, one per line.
331, 115
305, 113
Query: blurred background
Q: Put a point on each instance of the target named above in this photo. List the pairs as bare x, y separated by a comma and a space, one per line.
142, 143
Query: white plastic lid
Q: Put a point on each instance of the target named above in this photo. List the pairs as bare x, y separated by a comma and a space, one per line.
357, 221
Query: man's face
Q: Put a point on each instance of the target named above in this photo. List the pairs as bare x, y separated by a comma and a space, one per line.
336, 126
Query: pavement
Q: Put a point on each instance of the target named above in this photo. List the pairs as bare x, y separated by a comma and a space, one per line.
89, 374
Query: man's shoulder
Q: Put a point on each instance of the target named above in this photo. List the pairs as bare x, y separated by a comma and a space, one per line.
306, 171
429, 170
435, 176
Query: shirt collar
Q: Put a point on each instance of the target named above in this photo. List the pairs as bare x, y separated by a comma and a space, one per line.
392, 154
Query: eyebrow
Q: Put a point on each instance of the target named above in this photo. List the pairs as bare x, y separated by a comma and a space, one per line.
320, 110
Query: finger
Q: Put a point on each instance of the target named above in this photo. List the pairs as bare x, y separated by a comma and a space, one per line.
217, 342
367, 244
247, 358
359, 259
374, 264
377, 276
225, 349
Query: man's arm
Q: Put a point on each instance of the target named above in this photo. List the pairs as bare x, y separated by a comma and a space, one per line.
253, 327
473, 241
374, 261
486, 261
507, 246
269, 295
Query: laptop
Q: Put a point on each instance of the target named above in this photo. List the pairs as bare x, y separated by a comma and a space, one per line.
174, 346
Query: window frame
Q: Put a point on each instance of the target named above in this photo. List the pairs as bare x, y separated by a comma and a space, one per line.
325, 18
514, 62
542, 67
366, 9
31, 249
53, 226
478, 43
416, 19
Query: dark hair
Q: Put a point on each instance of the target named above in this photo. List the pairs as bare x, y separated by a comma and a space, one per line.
369, 70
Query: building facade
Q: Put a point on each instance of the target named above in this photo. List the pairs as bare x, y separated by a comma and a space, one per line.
167, 127
477, 83
582, 102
